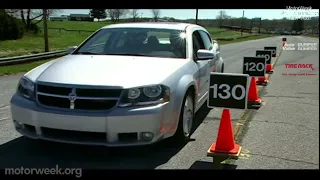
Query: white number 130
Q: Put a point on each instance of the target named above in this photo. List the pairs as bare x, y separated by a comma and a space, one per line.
226, 91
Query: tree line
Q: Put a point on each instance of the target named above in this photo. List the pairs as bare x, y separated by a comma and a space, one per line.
222, 19
14, 22
116, 14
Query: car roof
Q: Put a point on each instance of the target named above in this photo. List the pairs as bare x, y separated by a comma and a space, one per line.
158, 25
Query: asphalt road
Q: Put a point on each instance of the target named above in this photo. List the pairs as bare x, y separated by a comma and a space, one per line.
284, 133
16, 151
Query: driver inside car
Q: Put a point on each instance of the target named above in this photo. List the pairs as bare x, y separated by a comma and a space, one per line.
134, 41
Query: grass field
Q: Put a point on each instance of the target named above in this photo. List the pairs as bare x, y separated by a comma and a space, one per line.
15, 69
60, 39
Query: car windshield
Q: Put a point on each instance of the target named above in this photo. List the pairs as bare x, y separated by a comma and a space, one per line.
136, 42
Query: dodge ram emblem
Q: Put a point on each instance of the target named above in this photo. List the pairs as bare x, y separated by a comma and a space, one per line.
72, 98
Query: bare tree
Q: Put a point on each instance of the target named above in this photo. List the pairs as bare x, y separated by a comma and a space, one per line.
156, 14
134, 14
116, 14
222, 15
29, 15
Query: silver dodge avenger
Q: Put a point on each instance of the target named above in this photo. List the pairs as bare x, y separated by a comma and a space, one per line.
127, 84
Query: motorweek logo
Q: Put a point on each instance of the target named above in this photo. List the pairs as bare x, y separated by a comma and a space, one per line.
300, 12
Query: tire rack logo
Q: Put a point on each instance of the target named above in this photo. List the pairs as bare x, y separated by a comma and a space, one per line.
300, 66
72, 98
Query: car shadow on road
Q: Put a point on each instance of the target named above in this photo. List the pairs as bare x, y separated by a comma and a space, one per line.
24, 152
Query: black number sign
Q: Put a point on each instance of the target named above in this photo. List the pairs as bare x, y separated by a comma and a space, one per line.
266, 54
254, 66
284, 39
228, 90
272, 49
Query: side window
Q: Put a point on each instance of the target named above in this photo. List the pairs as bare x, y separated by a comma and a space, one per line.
197, 43
206, 40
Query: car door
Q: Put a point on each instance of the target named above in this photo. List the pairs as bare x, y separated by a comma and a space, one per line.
202, 66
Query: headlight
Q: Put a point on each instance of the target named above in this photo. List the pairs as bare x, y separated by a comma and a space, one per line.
26, 88
149, 95
133, 93
152, 91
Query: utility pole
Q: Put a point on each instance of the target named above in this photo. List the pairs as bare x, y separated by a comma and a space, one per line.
242, 22
45, 30
196, 16
260, 25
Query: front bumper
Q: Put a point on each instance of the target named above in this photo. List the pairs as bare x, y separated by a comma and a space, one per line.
120, 127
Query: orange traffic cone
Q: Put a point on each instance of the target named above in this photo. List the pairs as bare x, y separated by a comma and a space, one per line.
253, 98
225, 146
269, 69
262, 81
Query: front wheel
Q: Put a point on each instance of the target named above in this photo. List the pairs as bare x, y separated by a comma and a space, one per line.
186, 118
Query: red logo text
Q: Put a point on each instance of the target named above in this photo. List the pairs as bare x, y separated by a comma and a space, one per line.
302, 66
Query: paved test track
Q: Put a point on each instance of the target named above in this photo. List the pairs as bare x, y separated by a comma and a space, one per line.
284, 133
17, 151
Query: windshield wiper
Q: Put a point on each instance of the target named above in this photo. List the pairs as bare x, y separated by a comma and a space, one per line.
87, 53
127, 54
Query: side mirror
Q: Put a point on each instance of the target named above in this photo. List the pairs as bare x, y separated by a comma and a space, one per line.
204, 54
71, 49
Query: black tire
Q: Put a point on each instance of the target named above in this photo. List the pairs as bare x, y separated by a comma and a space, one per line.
179, 135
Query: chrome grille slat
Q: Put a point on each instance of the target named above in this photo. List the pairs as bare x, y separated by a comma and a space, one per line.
53, 95
79, 97
90, 98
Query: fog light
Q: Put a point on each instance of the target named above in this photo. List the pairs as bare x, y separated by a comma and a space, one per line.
147, 136
18, 124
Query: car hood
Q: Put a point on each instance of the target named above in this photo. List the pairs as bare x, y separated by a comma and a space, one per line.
106, 70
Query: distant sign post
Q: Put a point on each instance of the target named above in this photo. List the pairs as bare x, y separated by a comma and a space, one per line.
284, 39
228, 90
254, 66
256, 19
272, 49
266, 54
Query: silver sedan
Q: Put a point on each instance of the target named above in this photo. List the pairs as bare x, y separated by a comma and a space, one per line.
127, 84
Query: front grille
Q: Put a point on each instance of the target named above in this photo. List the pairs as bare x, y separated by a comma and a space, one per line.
82, 98
54, 90
54, 101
